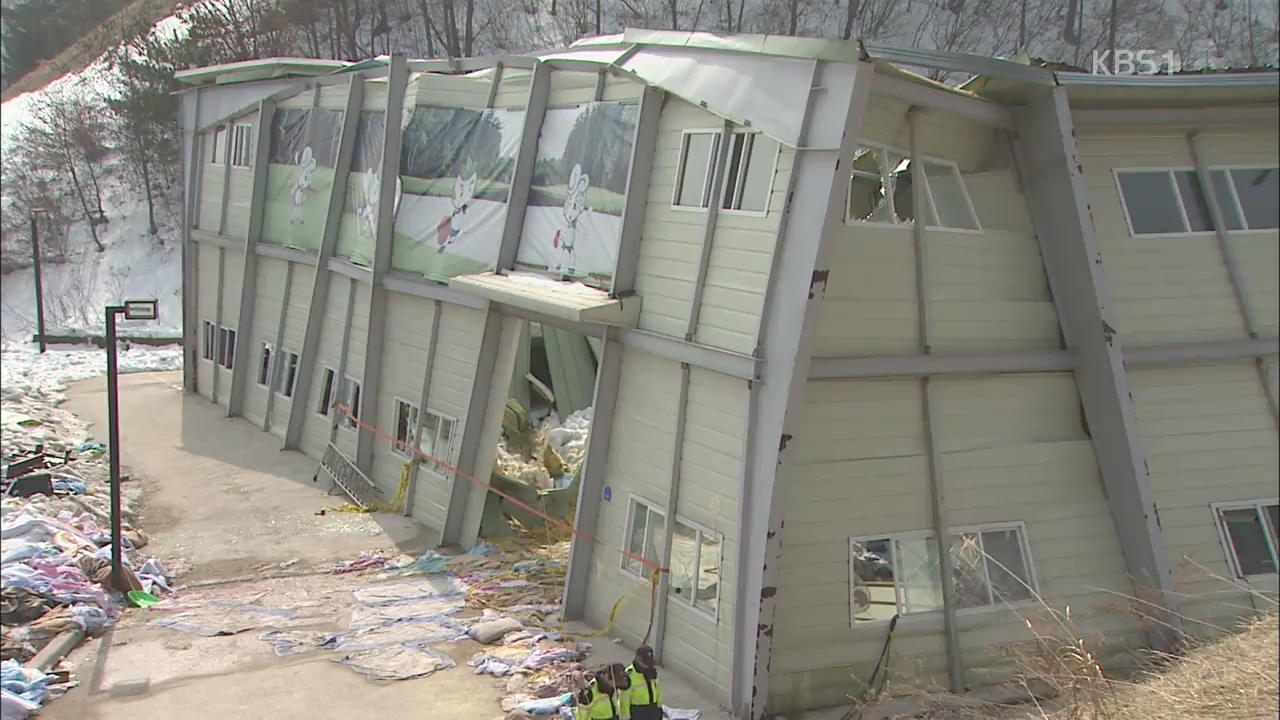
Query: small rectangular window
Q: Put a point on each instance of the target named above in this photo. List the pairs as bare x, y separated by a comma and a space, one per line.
286, 375
227, 348
900, 575
1256, 191
406, 424
880, 191
1174, 201
210, 341
695, 175
264, 365
350, 397
947, 195
1249, 535
218, 149
242, 146
695, 566
749, 175
1151, 202
645, 533
326, 392
436, 441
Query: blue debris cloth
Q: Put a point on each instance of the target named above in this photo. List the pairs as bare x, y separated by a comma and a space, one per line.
24, 689
397, 662
483, 548
294, 642
546, 706
75, 487
225, 619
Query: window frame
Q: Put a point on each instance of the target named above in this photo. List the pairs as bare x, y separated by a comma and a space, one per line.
226, 356
1228, 547
404, 448
709, 191
209, 352
714, 614
234, 146
350, 422
441, 466
1027, 556
650, 507
266, 364
327, 391
293, 362
953, 166
748, 146
218, 138
1169, 172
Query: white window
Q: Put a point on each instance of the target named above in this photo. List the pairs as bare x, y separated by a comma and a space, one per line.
880, 190
406, 423
328, 387
226, 348
218, 152
1173, 201
1248, 532
242, 146
750, 170
350, 396
695, 566
694, 175
646, 531
210, 340
437, 441
264, 365
900, 574
286, 373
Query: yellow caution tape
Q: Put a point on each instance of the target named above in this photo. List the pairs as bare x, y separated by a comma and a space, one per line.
397, 503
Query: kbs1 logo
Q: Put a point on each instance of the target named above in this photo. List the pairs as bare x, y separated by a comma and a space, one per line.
1135, 62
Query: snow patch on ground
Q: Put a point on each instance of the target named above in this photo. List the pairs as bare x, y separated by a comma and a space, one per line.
27, 372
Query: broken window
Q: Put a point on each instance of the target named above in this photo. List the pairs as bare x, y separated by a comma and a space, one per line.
406, 424
694, 175
900, 574
210, 340
218, 152
749, 175
350, 397
695, 566
880, 190
646, 530
1249, 535
226, 348
286, 375
264, 365
242, 146
326, 392
437, 440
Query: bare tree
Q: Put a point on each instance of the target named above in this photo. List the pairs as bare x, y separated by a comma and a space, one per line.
66, 128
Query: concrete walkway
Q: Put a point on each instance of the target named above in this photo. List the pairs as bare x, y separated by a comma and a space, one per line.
222, 499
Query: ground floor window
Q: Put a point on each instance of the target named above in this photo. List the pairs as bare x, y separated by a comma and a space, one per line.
900, 574
286, 375
695, 566
438, 435
227, 348
351, 398
406, 423
645, 533
328, 386
1248, 531
264, 365
210, 340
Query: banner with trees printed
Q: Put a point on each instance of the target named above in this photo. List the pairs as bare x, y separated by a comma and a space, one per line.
455, 175
304, 150
359, 222
573, 222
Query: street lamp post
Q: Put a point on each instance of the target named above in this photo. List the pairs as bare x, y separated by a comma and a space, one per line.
35, 262
132, 310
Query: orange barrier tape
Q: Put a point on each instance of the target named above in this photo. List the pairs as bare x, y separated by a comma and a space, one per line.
557, 522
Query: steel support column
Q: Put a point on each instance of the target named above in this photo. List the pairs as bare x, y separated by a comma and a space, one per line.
267, 419
672, 509
522, 175
637, 199
424, 401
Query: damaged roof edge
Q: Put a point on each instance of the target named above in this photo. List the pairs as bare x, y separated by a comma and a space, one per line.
261, 69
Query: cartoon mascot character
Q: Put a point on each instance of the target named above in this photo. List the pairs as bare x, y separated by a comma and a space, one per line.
575, 204
464, 192
302, 184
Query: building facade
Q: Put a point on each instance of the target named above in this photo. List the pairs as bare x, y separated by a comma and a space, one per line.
860, 331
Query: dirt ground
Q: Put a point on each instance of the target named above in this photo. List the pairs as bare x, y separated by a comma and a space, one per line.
221, 502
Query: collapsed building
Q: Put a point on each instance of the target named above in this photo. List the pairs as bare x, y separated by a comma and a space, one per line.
865, 353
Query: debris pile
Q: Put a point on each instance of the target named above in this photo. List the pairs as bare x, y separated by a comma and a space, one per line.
55, 565
545, 457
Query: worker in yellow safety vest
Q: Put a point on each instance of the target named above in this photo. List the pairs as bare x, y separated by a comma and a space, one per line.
644, 695
605, 697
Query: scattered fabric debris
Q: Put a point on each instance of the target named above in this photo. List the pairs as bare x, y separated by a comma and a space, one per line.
409, 590
371, 615
677, 714
491, 631
294, 642
483, 548
364, 562
411, 630
397, 662
225, 619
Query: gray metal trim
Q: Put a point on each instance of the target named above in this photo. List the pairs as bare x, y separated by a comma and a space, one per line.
1214, 80
595, 463
343, 266
522, 175
974, 108
226, 188
204, 236
919, 202
217, 329
191, 255
672, 510
885, 366
493, 86
464, 65
1201, 352
709, 232
959, 62
637, 198
1268, 392
726, 362
1223, 235
384, 238
413, 284
267, 419
280, 252
322, 280
602, 77
249, 276
1219, 116
423, 402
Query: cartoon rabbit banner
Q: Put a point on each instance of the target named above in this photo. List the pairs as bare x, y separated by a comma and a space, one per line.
456, 166
304, 149
359, 225
573, 222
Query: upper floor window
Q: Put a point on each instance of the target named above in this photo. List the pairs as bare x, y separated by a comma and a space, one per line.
242, 146
218, 153
1173, 201
1248, 532
749, 174
880, 190
694, 174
